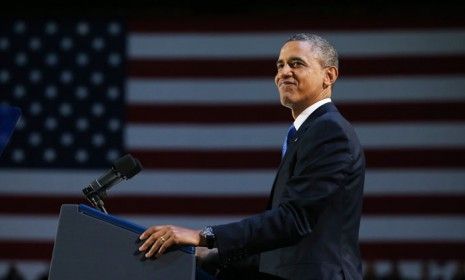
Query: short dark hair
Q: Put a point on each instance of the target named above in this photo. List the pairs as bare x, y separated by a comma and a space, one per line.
321, 46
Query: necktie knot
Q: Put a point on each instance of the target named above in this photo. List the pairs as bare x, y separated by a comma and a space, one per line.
289, 137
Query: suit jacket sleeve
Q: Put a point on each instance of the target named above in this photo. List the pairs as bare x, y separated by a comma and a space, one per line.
316, 173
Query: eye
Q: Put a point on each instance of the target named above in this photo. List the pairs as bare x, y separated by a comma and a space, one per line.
295, 64
279, 65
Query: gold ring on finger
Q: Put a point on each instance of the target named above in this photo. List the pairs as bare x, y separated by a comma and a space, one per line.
162, 239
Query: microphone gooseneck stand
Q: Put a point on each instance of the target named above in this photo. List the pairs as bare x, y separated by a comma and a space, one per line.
94, 198
124, 168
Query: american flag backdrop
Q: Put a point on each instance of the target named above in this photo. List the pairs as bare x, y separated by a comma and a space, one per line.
196, 104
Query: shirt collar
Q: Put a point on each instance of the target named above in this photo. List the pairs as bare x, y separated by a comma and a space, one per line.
307, 112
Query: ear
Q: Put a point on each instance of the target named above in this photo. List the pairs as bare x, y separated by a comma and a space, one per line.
331, 74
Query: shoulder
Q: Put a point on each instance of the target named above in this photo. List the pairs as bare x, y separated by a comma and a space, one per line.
331, 122
329, 128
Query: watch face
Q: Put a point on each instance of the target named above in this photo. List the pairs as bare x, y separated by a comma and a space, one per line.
209, 236
207, 231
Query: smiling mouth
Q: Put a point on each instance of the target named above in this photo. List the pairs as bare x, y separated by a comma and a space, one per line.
287, 84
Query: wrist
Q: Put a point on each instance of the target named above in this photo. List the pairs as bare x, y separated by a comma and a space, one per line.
197, 239
207, 237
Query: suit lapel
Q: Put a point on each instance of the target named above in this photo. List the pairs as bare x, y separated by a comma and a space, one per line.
325, 108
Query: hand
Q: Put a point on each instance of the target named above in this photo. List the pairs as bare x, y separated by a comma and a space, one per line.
159, 238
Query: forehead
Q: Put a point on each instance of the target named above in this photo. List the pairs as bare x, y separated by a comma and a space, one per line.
300, 49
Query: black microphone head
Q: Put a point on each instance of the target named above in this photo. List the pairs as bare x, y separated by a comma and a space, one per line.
127, 166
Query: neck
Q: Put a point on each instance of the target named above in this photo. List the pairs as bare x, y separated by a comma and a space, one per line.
297, 110
296, 113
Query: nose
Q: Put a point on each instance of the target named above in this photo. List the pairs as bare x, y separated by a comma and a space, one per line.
285, 71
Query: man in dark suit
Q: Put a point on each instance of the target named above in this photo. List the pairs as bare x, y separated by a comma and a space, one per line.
310, 230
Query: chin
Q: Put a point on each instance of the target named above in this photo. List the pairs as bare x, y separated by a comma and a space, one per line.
286, 102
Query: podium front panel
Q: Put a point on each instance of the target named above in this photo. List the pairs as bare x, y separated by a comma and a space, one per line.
93, 245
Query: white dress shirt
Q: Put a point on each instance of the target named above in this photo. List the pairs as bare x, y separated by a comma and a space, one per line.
307, 112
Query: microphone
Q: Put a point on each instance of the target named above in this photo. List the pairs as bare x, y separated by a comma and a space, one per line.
122, 169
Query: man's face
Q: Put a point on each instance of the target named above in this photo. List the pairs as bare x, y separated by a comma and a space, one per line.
300, 78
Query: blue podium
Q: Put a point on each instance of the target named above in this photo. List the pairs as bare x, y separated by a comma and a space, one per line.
93, 245
9, 116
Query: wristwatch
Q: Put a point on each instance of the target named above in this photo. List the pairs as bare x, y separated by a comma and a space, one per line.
207, 237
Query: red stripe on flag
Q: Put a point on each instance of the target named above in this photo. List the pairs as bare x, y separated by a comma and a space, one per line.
270, 24
416, 158
414, 205
425, 250
214, 114
140, 205
33, 250
239, 68
227, 205
355, 112
207, 159
441, 158
30, 250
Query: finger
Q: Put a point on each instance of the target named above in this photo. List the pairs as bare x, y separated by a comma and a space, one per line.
152, 250
150, 231
147, 233
165, 246
150, 240
155, 247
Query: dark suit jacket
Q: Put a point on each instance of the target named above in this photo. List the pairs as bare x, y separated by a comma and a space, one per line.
311, 229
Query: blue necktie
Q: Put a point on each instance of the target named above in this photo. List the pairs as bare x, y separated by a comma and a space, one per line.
290, 136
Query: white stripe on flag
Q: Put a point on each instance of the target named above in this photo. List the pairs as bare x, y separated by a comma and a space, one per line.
263, 91
269, 136
237, 182
373, 228
259, 45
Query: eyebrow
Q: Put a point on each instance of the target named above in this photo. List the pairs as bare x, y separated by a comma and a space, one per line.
292, 58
